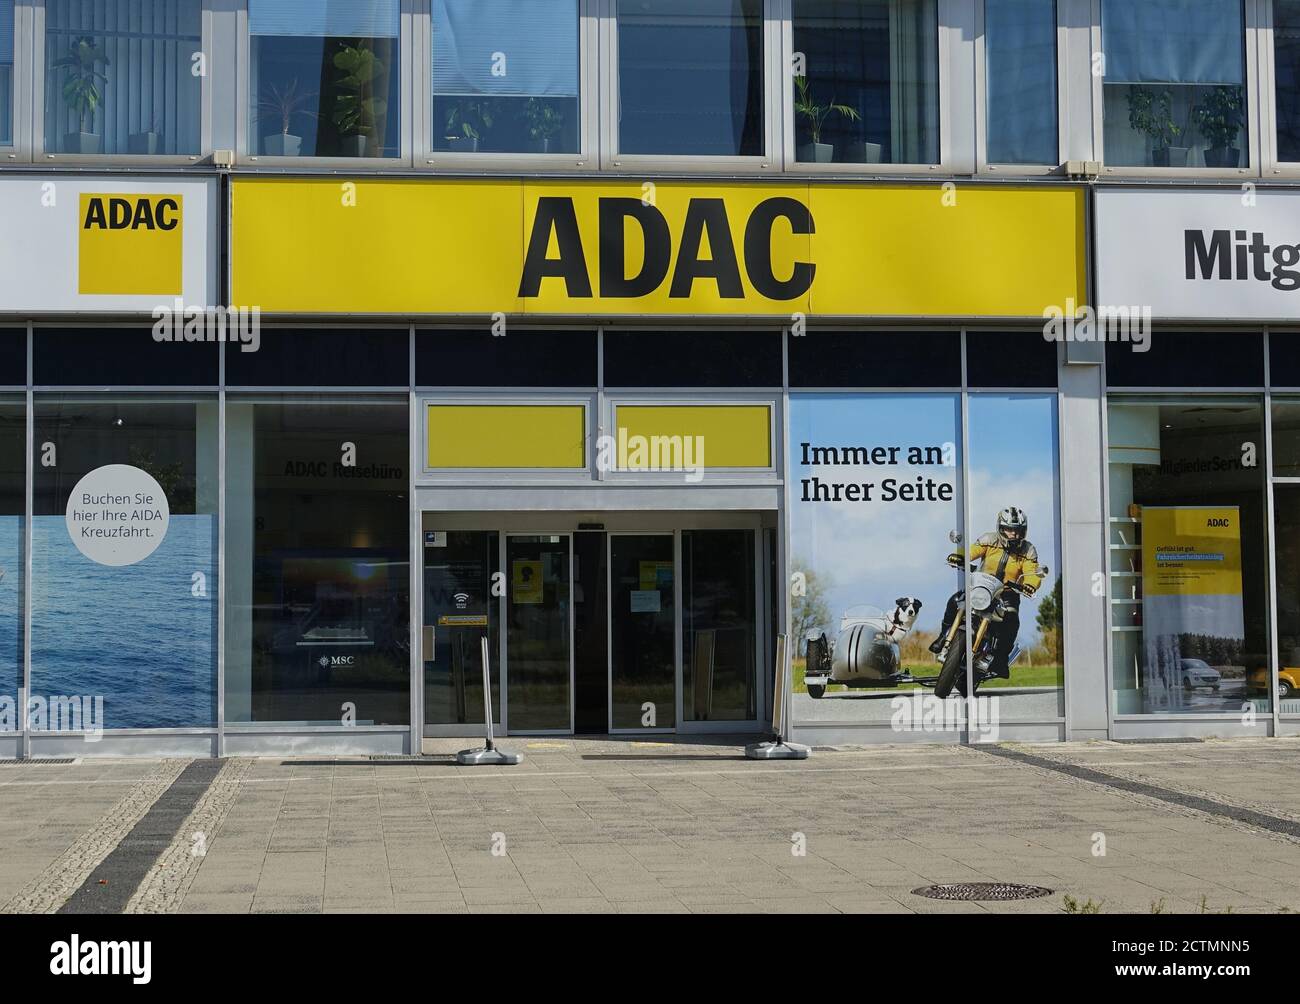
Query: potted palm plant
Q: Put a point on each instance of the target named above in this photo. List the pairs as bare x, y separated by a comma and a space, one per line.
282, 104
1151, 112
1219, 118
467, 121
544, 122
816, 115
82, 92
149, 142
355, 106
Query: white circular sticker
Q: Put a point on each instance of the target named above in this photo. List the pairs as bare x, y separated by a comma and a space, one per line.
118, 515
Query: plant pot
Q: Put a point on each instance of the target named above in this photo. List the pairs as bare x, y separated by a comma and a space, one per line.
144, 143
816, 153
866, 153
1169, 156
353, 146
81, 142
462, 144
281, 144
1222, 156
539, 146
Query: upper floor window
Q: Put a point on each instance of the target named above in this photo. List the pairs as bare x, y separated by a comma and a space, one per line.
869, 88
120, 76
505, 76
325, 78
690, 77
1020, 82
1286, 72
6, 72
1174, 84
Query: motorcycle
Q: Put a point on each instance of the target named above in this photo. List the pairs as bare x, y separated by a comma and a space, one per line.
863, 655
987, 597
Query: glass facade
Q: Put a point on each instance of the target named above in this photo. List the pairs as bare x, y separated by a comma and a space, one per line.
1020, 68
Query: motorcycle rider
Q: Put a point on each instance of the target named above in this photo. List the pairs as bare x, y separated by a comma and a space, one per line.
1010, 556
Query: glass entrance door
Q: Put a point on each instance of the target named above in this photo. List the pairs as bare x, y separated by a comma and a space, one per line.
539, 633
459, 610
642, 633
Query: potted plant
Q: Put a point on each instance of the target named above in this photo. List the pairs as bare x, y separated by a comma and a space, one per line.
1219, 118
544, 122
806, 107
82, 91
1151, 112
355, 105
283, 104
148, 143
467, 121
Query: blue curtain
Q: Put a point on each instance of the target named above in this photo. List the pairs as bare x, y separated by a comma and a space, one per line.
539, 39
7, 32
324, 18
1173, 41
1020, 70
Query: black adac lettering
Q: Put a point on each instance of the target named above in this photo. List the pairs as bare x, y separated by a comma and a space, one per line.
758, 249
614, 281
555, 213
707, 215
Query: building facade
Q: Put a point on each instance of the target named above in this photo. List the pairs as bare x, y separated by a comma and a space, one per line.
629, 335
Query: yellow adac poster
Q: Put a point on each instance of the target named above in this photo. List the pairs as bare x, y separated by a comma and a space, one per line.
1193, 625
526, 578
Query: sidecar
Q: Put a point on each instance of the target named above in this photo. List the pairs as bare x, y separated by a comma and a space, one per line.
862, 656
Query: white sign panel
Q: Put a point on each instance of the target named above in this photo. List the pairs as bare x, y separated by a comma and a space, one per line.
108, 245
118, 515
1212, 254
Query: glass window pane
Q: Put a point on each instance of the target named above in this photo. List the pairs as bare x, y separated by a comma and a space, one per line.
322, 357
719, 677
643, 612
1020, 70
459, 611
870, 91
1286, 438
317, 616
998, 359
1187, 636
1286, 508
117, 76
119, 357
693, 359
832, 359
1174, 90
1286, 71
505, 76
1016, 537
539, 632
469, 358
13, 440
6, 72
92, 540
690, 77
1188, 359
325, 79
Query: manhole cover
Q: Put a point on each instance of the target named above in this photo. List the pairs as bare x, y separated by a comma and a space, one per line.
982, 891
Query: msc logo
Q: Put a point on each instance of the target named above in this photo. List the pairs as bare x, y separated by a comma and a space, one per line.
706, 250
330, 661
130, 245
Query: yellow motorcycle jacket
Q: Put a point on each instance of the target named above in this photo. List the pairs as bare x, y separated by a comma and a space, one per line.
1009, 566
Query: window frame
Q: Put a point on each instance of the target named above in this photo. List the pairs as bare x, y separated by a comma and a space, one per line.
945, 54
35, 120
1270, 163
427, 159
1251, 87
982, 162
703, 397
368, 165
613, 162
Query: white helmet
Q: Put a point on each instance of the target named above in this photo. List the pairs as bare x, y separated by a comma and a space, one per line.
1013, 528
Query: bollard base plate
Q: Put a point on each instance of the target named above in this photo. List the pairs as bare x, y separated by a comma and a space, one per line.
483, 757
777, 751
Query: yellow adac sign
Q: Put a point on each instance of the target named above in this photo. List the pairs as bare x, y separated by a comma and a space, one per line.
578, 248
130, 244
1191, 551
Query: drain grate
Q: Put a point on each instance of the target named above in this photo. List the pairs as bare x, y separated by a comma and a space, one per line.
982, 892
400, 757
37, 761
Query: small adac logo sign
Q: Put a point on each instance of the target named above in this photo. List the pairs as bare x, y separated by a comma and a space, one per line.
130, 244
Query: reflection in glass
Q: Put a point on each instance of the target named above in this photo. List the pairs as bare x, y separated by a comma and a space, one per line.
6, 72
538, 634
1020, 68
505, 76
325, 78
13, 440
1189, 634
1286, 74
690, 77
96, 628
317, 613
718, 609
118, 76
1174, 93
459, 611
1286, 508
870, 93
643, 670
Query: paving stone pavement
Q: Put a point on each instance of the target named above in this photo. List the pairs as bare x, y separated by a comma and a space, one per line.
689, 826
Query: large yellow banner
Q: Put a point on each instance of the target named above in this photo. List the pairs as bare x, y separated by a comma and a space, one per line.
428, 247
1191, 551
